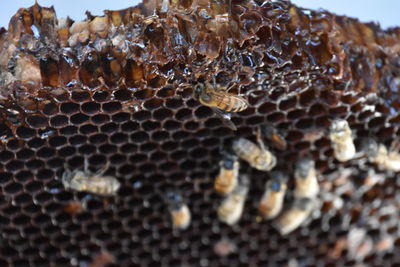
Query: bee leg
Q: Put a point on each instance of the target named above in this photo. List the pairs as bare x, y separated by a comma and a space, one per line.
259, 139
86, 165
214, 81
103, 170
225, 151
226, 119
101, 80
395, 146
65, 175
66, 167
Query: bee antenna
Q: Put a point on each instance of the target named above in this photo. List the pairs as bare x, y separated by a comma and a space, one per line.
259, 138
282, 176
85, 164
226, 151
173, 198
331, 120
168, 195
230, 87
267, 129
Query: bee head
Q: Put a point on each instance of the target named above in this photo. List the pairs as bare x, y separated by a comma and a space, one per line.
303, 166
369, 146
198, 90
174, 199
228, 160
339, 126
278, 178
202, 93
228, 163
66, 178
276, 186
206, 97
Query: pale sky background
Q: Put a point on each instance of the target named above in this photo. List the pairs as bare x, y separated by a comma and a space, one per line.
386, 12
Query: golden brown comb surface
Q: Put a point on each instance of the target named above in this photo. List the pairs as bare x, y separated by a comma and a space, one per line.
119, 89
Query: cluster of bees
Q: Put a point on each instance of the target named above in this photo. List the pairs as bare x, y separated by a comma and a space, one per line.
234, 186
344, 149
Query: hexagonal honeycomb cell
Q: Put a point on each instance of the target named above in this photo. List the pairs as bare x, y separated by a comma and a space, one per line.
118, 89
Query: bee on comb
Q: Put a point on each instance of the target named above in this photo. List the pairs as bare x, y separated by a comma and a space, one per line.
231, 208
272, 200
227, 178
389, 159
220, 101
340, 135
292, 218
306, 178
180, 213
258, 156
95, 183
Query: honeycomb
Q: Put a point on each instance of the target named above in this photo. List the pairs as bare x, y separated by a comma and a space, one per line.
118, 89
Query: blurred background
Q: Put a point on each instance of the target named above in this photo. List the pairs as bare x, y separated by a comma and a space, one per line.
383, 11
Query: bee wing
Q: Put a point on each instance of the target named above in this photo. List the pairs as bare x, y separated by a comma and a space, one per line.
226, 98
225, 117
278, 141
277, 136
395, 146
66, 177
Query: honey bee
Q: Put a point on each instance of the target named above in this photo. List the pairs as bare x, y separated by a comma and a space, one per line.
74, 207
275, 136
180, 213
227, 179
95, 183
224, 247
210, 96
272, 200
306, 179
392, 161
102, 259
380, 155
385, 243
257, 156
342, 140
220, 101
231, 208
291, 219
